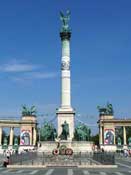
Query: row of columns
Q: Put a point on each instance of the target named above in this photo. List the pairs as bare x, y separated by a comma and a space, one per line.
11, 136
32, 136
101, 136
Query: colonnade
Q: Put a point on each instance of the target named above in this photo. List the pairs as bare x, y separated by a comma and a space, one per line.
101, 136
33, 136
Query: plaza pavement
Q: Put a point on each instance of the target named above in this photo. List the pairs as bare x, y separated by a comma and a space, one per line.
2, 157
124, 168
65, 171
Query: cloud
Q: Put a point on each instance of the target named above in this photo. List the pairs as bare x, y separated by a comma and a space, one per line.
17, 67
22, 72
41, 75
34, 75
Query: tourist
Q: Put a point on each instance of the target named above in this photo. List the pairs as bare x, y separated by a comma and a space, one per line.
4, 152
102, 150
126, 154
8, 154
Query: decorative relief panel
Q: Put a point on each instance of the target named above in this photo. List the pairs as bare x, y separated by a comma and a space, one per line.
65, 65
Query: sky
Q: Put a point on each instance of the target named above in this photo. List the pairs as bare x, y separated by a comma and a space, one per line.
30, 56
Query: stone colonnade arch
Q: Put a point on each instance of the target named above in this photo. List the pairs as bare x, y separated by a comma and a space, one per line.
27, 125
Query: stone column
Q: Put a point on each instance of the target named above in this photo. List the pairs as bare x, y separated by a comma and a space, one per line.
31, 136
65, 70
124, 135
0, 135
34, 136
11, 136
65, 112
114, 136
100, 136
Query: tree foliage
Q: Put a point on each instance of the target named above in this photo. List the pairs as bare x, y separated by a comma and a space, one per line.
95, 139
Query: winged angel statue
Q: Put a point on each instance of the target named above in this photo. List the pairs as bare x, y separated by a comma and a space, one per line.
65, 19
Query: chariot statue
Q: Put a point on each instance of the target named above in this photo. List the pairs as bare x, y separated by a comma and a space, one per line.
108, 110
26, 111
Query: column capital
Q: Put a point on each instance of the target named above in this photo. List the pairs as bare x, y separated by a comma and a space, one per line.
65, 35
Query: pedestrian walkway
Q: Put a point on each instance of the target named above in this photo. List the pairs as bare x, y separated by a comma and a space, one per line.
123, 165
2, 157
53, 171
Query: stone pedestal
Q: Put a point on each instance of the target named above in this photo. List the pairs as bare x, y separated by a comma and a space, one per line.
76, 146
67, 116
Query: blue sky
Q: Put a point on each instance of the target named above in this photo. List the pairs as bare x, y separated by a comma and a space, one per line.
30, 55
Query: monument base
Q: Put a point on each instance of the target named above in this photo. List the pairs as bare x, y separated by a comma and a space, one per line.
76, 146
23, 148
66, 114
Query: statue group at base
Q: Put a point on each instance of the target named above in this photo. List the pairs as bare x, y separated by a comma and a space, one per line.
82, 133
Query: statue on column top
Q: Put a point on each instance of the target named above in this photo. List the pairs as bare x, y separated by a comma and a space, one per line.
65, 19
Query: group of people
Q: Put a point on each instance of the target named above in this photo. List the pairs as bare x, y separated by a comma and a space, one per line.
127, 153
7, 154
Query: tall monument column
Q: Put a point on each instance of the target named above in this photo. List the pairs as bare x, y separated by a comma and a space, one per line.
65, 70
65, 112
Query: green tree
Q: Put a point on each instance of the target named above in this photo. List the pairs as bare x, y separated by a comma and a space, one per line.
95, 139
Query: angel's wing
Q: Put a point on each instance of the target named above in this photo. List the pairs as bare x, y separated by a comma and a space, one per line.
68, 14
61, 15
